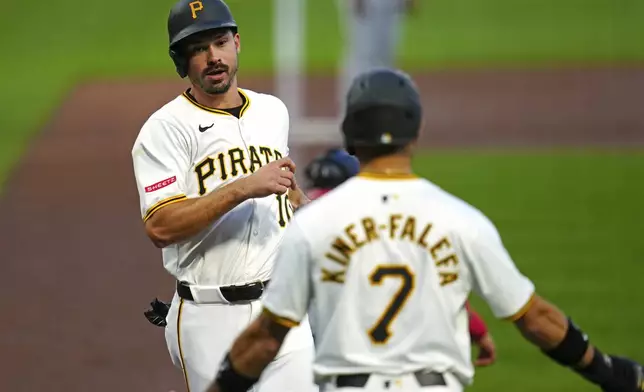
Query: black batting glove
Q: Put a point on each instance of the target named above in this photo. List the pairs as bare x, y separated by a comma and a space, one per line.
627, 376
157, 312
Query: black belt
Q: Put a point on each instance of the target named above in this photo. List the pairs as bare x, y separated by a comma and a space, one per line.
232, 294
424, 378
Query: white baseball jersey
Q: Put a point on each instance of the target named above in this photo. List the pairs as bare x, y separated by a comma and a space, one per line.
186, 150
386, 267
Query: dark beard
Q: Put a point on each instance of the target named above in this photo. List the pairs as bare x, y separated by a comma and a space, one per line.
220, 88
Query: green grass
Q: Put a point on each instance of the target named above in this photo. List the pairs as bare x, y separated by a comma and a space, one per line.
573, 222
525, 32
68, 41
472, 33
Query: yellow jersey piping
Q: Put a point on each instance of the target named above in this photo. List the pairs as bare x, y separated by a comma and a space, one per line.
387, 176
219, 111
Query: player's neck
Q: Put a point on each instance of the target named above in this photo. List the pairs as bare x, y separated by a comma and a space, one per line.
229, 99
388, 165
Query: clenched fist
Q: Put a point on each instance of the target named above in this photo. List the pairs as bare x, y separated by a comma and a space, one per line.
276, 177
487, 351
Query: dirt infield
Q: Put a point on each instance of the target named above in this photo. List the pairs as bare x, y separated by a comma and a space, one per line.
79, 270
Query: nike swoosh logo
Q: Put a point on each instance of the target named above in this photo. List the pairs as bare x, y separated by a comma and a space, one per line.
204, 129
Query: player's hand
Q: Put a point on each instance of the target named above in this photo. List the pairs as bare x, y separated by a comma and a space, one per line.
276, 177
628, 376
487, 351
297, 197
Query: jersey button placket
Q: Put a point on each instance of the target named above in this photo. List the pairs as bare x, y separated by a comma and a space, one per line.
250, 240
253, 218
255, 222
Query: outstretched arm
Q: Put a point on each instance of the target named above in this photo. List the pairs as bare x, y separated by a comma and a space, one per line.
553, 332
511, 295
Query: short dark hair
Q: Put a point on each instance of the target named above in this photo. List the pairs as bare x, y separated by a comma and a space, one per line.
376, 120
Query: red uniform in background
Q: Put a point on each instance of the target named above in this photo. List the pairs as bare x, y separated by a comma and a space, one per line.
481, 338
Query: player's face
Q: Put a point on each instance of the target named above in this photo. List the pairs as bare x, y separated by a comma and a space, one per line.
213, 60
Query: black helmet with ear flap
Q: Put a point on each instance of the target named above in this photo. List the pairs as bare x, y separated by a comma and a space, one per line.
331, 169
188, 17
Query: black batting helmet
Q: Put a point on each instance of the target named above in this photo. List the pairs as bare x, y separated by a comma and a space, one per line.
331, 169
188, 17
383, 107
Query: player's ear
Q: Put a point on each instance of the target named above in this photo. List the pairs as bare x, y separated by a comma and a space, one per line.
237, 42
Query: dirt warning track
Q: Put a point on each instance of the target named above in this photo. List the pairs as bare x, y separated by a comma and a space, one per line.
78, 270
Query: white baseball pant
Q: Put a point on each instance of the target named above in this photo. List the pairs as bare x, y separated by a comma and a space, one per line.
199, 335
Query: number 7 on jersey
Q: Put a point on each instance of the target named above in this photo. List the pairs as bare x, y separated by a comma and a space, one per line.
380, 332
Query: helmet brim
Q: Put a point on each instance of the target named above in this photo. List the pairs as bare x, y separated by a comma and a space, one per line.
198, 28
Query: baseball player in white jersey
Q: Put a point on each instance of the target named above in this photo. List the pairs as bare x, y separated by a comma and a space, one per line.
334, 167
386, 262
216, 193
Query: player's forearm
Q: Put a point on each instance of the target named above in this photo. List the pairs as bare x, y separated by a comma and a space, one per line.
255, 348
548, 328
185, 219
545, 326
250, 354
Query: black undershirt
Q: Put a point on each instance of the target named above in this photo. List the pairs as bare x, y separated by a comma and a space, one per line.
236, 111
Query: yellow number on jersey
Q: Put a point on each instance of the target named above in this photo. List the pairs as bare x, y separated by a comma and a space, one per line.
380, 332
285, 210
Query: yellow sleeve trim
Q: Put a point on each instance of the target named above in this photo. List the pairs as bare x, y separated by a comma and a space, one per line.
283, 321
162, 203
524, 309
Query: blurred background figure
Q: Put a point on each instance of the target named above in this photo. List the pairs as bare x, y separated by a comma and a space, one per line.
372, 29
329, 170
334, 167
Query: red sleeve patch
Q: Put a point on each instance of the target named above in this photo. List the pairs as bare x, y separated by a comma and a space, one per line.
161, 184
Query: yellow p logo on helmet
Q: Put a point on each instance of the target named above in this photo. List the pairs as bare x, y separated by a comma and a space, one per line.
195, 6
